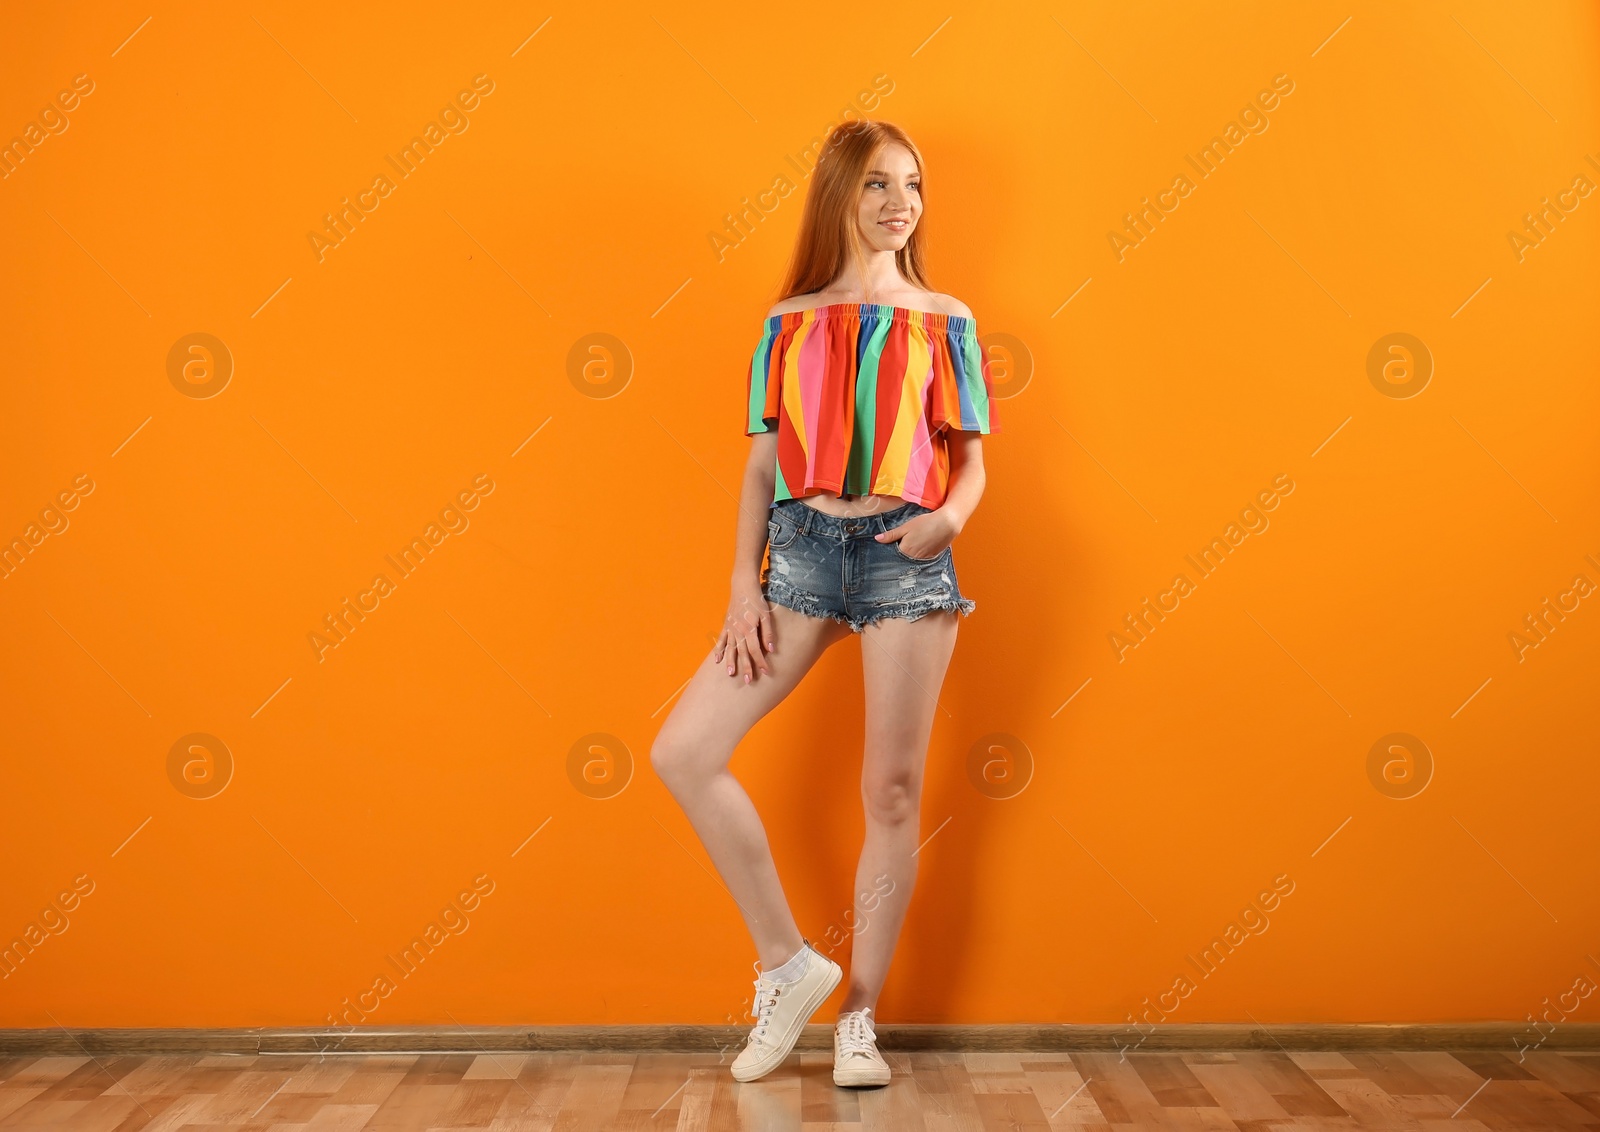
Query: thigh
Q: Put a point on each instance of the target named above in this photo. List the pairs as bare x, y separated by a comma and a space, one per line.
903, 664
717, 710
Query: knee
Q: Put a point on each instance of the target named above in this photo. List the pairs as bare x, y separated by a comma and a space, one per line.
676, 760
891, 799
667, 758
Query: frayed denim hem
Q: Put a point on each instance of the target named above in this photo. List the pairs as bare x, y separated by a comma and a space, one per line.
962, 605
800, 603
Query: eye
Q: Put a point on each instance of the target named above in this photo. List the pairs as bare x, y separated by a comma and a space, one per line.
871, 183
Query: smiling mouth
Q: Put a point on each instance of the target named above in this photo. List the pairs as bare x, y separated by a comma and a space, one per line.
895, 225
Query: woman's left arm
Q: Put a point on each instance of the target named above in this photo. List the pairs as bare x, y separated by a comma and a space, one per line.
960, 501
966, 477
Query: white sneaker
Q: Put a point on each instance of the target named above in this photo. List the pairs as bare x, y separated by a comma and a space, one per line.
856, 1060
782, 1011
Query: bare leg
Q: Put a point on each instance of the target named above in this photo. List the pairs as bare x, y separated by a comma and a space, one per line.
691, 754
903, 663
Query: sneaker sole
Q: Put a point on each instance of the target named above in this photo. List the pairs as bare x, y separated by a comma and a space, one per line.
776, 1058
850, 1077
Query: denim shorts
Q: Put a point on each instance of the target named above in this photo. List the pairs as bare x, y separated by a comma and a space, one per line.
826, 566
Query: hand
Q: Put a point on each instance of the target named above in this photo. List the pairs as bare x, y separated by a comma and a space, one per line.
747, 631
925, 536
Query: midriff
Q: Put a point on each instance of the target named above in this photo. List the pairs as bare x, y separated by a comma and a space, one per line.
852, 506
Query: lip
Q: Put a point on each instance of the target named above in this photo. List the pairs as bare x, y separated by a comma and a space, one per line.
900, 220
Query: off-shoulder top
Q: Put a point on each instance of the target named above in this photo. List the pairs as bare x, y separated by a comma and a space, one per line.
862, 395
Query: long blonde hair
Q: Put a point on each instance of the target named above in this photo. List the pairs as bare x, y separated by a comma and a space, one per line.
829, 239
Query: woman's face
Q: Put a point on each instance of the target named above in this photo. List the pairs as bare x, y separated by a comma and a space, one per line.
891, 199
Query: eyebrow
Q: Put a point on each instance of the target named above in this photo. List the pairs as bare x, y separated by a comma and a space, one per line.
881, 173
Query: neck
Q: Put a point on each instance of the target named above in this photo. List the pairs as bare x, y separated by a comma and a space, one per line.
882, 278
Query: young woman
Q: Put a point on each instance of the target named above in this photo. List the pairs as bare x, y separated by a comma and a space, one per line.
866, 398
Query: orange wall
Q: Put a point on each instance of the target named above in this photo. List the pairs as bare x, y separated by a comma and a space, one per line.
424, 365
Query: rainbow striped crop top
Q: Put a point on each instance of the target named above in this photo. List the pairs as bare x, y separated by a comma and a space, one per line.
862, 394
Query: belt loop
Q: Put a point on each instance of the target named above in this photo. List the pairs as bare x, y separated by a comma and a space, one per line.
805, 519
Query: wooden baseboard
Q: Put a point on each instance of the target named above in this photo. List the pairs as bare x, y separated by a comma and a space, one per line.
1508, 1037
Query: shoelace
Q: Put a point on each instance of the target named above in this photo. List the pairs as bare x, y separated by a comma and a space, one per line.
767, 993
855, 1034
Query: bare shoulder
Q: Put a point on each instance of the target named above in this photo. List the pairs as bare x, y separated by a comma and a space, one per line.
795, 303
950, 305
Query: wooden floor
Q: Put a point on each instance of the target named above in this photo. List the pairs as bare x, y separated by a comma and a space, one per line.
934, 1091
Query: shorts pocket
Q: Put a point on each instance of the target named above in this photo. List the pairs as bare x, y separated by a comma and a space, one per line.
781, 530
911, 558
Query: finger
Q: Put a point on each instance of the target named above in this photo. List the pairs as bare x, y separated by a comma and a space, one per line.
769, 629
741, 630
752, 652
757, 652
741, 653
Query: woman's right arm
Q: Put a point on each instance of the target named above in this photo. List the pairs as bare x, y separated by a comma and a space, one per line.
747, 632
755, 500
